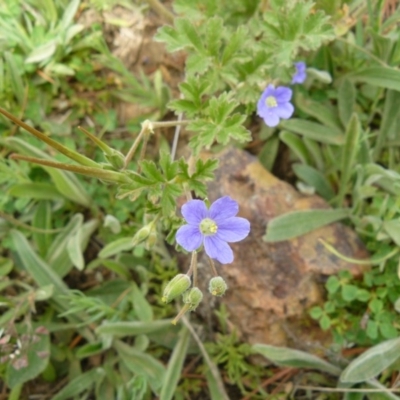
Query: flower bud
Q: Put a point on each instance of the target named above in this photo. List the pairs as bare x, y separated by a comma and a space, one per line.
192, 298
217, 286
142, 234
115, 158
178, 285
151, 240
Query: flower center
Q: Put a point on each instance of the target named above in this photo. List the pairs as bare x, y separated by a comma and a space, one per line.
208, 227
270, 101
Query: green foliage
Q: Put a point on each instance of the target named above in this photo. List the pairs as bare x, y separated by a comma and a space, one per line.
88, 260
361, 311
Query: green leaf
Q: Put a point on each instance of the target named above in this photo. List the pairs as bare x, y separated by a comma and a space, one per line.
384, 77
141, 364
15, 76
42, 220
74, 250
65, 182
313, 130
37, 268
42, 53
346, 100
69, 15
82, 382
37, 354
295, 143
182, 36
57, 255
235, 42
392, 228
142, 307
314, 178
376, 305
324, 113
44, 293
294, 358
175, 365
35, 190
348, 156
220, 126
391, 111
6, 265
116, 247
325, 322
297, 223
134, 328
372, 329
197, 64
332, 284
349, 292
316, 312
372, 362
214, 29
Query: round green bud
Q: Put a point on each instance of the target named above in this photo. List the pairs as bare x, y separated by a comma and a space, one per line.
217, 286
141, 234
192, 298
175, 287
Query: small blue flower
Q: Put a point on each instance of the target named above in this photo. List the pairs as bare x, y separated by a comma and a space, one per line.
300, 75
274, 104
214, 227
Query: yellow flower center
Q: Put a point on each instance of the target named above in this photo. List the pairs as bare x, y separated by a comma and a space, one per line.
270, 101
208, 227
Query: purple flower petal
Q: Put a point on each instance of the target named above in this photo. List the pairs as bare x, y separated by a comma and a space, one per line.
189, 237
218, 249
300, 75
284, 111
233, 229
269, 91
300, 66
194, 211
283, 94
223, 208
271, 119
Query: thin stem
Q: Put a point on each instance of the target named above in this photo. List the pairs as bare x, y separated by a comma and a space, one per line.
212, 265
16, 222
181, 313
168, 124
143, 151
133, 149
213, 368
193, 264
176, 137
161, 10
348, 390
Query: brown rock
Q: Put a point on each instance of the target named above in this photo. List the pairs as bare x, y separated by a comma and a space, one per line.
272, 285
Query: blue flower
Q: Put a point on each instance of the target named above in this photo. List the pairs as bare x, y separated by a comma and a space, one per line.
214, 227
274, 104
300, 75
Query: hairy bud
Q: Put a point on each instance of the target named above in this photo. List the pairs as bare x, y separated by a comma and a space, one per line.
192, 298
175, 287
142, 234
217, 286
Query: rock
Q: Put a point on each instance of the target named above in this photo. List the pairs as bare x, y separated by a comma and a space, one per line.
272, 285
